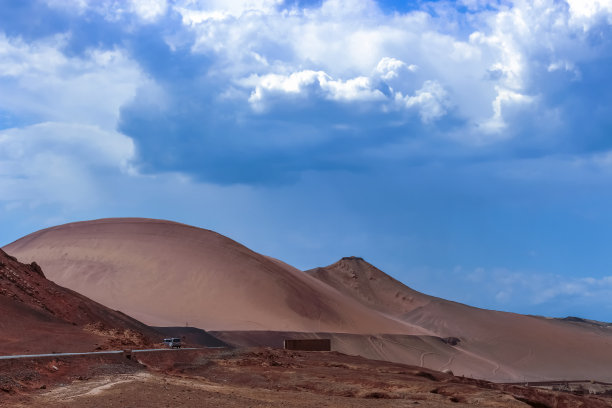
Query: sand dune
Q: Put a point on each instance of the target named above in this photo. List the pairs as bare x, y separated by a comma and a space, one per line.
169, 274
509, 346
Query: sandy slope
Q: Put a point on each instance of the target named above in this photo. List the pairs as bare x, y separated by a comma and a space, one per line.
509, 346
423, 351
170, 274
38, 316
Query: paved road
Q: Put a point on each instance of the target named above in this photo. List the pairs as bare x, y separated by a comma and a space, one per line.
100, 352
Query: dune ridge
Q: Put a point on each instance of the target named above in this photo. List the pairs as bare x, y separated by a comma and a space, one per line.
170, 274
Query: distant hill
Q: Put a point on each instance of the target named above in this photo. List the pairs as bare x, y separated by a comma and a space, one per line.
507, 344
355, 277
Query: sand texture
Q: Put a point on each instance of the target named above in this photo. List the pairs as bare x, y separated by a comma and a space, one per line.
509, 346
170, 274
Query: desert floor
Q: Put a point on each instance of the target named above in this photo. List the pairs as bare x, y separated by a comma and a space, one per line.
258, 377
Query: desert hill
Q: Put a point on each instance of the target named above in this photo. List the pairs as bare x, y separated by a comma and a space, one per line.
507, 343
355, 277
39, 316
170, 274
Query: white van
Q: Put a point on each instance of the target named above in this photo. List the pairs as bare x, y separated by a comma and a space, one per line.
173, 342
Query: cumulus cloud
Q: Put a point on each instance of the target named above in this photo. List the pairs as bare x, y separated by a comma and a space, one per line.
389, 68
485, 69
61, 114
305, 83
40, 82
491, 76
59, 162
583, 11
430, 100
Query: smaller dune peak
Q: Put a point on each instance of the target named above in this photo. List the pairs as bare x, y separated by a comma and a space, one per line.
358, 267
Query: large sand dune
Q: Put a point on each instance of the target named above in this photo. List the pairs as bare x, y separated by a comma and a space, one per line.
169, 274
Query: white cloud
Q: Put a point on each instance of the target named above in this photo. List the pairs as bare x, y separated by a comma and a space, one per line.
306, 84
504, 99
389, 68
94, 145
292, 45
430, 100
64, 111
486, 70
485, 66
39, 81
58, 162
149, 10
347, 51
196, 12
584, 11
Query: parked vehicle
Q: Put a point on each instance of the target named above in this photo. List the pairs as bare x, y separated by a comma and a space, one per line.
173, 342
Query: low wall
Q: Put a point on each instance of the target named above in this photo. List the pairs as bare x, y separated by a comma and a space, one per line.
308, 344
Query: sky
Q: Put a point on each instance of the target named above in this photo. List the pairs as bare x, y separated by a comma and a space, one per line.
463, 147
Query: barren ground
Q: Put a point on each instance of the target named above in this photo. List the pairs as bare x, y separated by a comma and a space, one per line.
259, 377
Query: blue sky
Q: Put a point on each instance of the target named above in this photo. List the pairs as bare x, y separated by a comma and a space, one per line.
463, 147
